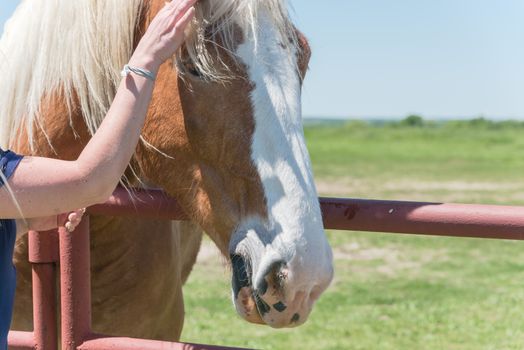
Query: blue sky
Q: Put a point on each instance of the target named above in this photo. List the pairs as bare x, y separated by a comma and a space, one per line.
381, 58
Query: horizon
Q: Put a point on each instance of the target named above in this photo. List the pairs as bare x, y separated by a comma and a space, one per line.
400, 117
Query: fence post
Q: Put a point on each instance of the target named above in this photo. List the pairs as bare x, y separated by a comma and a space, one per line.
43, 255
75, 285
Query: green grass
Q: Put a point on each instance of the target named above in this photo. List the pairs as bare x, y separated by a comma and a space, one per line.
398, 291
438, 152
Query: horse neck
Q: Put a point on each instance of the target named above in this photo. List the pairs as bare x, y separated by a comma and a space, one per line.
62, 133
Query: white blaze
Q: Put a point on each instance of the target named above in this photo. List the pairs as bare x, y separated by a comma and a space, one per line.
295, 229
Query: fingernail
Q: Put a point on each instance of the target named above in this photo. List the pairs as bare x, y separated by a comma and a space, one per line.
69, 227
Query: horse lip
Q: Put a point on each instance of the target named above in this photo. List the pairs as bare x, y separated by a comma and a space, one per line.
242, 284
241, 273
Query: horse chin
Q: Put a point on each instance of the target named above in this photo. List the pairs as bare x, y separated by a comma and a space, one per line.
246, 306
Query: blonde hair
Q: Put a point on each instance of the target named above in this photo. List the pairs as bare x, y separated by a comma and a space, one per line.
81, 51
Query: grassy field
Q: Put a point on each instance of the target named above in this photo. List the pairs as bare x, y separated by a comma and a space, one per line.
397, 291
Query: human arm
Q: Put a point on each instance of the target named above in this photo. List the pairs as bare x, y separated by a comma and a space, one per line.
44, 186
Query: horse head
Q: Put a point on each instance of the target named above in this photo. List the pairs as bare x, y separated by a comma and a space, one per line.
223, 133
238, 159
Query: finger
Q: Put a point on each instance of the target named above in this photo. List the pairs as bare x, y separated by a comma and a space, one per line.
69, 227
72, 216
181, 24
77, 213
80, 212
181, 9
172, 6
182, 4
76, 221
169, 6
171, 3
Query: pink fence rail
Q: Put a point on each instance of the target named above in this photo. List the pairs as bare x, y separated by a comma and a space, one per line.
72, 251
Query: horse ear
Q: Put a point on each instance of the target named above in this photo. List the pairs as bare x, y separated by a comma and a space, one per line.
304, 54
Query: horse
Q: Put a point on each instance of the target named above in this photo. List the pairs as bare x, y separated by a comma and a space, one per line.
223, 135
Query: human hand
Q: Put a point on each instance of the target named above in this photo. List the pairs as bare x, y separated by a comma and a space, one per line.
73, 219
164, 35
50, 222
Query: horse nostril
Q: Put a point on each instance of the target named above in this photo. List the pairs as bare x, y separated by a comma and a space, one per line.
274, 275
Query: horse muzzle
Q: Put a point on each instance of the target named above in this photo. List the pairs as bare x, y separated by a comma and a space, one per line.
272, 298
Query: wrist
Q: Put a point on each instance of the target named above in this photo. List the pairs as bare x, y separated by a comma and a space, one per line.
144, 63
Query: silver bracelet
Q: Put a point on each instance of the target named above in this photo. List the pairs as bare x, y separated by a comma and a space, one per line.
138, 71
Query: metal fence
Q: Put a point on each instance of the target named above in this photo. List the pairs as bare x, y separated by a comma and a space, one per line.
72, 251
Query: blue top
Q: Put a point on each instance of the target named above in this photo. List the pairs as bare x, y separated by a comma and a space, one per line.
8, 163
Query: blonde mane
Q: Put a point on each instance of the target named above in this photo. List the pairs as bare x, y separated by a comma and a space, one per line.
74, 47
78, 47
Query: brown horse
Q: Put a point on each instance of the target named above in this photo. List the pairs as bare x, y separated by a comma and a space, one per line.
223, 135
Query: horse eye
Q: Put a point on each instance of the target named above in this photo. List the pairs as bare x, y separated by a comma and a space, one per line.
190, 68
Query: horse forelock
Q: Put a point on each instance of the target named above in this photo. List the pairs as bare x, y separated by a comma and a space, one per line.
217, 24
